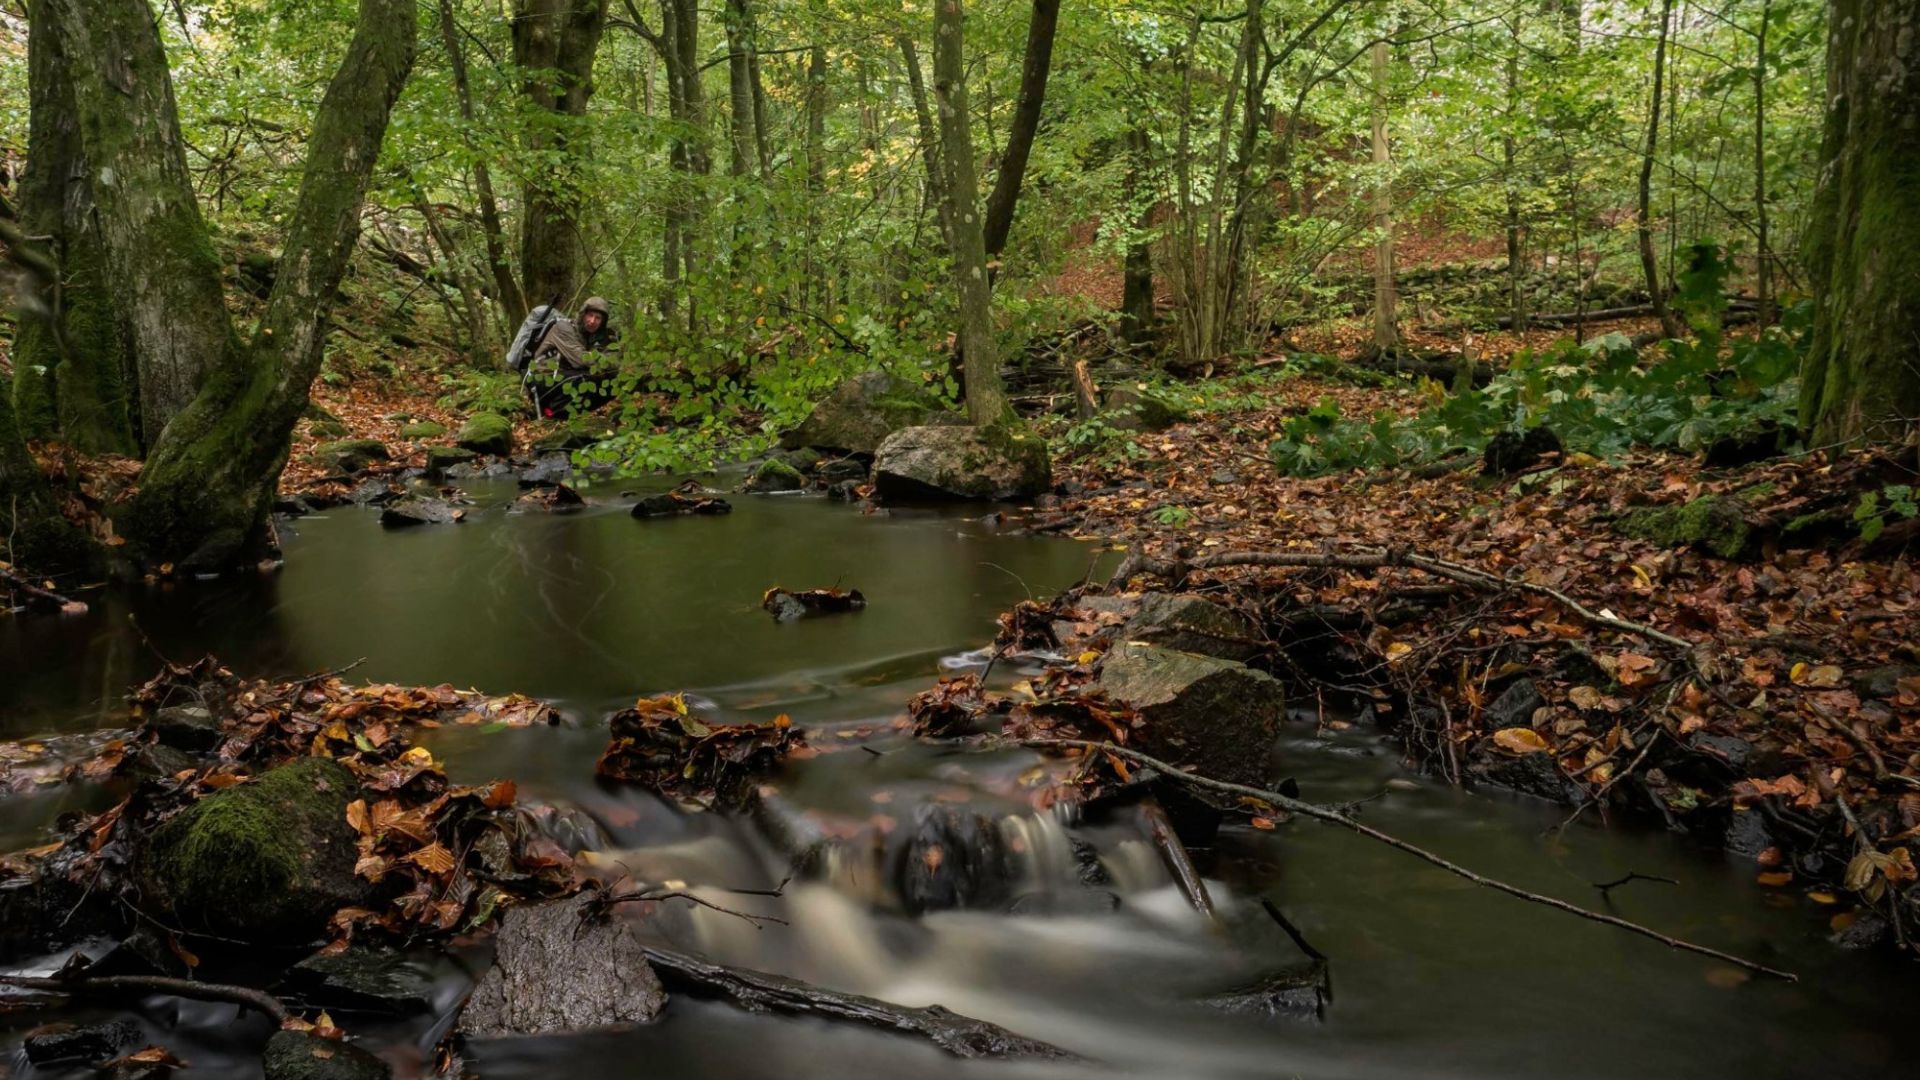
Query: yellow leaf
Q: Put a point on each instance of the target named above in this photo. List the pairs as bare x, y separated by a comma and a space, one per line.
1398, 651
1520, 740
1087, 657
1586, 697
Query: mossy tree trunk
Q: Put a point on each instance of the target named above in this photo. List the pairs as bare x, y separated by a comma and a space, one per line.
156, 252
70, 362
554, 43
986, 394
207, 487
1862, 375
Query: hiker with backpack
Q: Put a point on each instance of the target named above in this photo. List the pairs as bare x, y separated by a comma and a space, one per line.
565, 364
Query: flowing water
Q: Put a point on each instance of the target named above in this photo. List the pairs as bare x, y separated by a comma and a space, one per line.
1431, 976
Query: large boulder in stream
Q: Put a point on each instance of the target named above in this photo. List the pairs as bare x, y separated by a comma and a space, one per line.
486, 433
1216, 717
860, 413
999, 462
1192, 624
266, 861
560, 967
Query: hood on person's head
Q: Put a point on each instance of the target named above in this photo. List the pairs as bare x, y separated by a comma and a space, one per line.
597, 305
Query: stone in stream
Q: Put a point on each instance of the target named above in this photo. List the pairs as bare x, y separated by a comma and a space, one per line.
841, 470
90, 1044
553, 499
775, 475
419, 510
1217, 717
364, 979
673, 504
954, 858
560, 968
547, 470
266, 861
372, 492
860, 413
1192, 624
301, 1055
442, 458
960, 462
191, 728
486, 433
1298, 992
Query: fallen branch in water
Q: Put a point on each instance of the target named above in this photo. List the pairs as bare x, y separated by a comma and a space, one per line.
1174, 854
1321, 813
1379, 558
37, 597
758, 991
247, 997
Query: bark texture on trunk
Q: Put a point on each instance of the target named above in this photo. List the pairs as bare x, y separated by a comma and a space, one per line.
1862, 375
1649, 262
157, 253
554, 43
513, 302
1136, 300
1038, 63
1386, 298
986, 395
208, 485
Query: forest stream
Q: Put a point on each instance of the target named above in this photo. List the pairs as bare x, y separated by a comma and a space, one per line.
1429, 974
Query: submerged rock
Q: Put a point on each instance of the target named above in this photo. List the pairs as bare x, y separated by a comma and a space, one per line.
954, 858
419, 510
91, 1044
558, 968
1192, 624
1218, 717
486, 433
300, 1055
860, 413
1299, 992
673, 504
269, 860
364, 979
962, 463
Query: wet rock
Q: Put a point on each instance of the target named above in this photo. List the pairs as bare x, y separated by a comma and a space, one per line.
269, 860
1528, 774
419, 510
363, 979
299, 1055
842, 470
804, 459
423, 429
860, 413
775, 475
673, 504
153, 761
955, 858
191, 728
1747, 834
1734, 751
1215, 716
1192, 624
442, 458
557, 968
1511, 453
486, 433
1299, 992
89, 1043
962, 463
546, 470
351, 455
844, 491
1514, 706
373, 492
786, 605
1867, 930
556, 499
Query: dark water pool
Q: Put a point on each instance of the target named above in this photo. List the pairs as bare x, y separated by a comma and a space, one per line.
1431, 976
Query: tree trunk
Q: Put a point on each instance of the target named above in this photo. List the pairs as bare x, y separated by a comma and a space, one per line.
1509, 152
740, 91
554, 42
1386, 322
513, 302
209, 483
1862, 374
1763, 257
71, 366
1026, 123
164, 275
986, 395
1136, 298
929, 136
1649, 263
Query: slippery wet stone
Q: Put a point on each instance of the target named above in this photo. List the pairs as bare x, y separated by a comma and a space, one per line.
962, 463
558, 968
1192, 624
418, 510
299, 1055
364, 979
1218, 717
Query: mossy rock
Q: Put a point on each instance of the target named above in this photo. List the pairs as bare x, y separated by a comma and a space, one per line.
776, 475
1001, 461
1713, 524
442, 458
805, 459
423, 429
860, 413
351, 455
268, 861
486, 433
331, 429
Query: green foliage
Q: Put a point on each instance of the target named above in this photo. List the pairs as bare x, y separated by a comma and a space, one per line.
1876, 508
1177, 517
1601, 398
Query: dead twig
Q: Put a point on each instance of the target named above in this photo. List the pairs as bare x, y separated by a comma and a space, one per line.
245, 996
1321, 813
